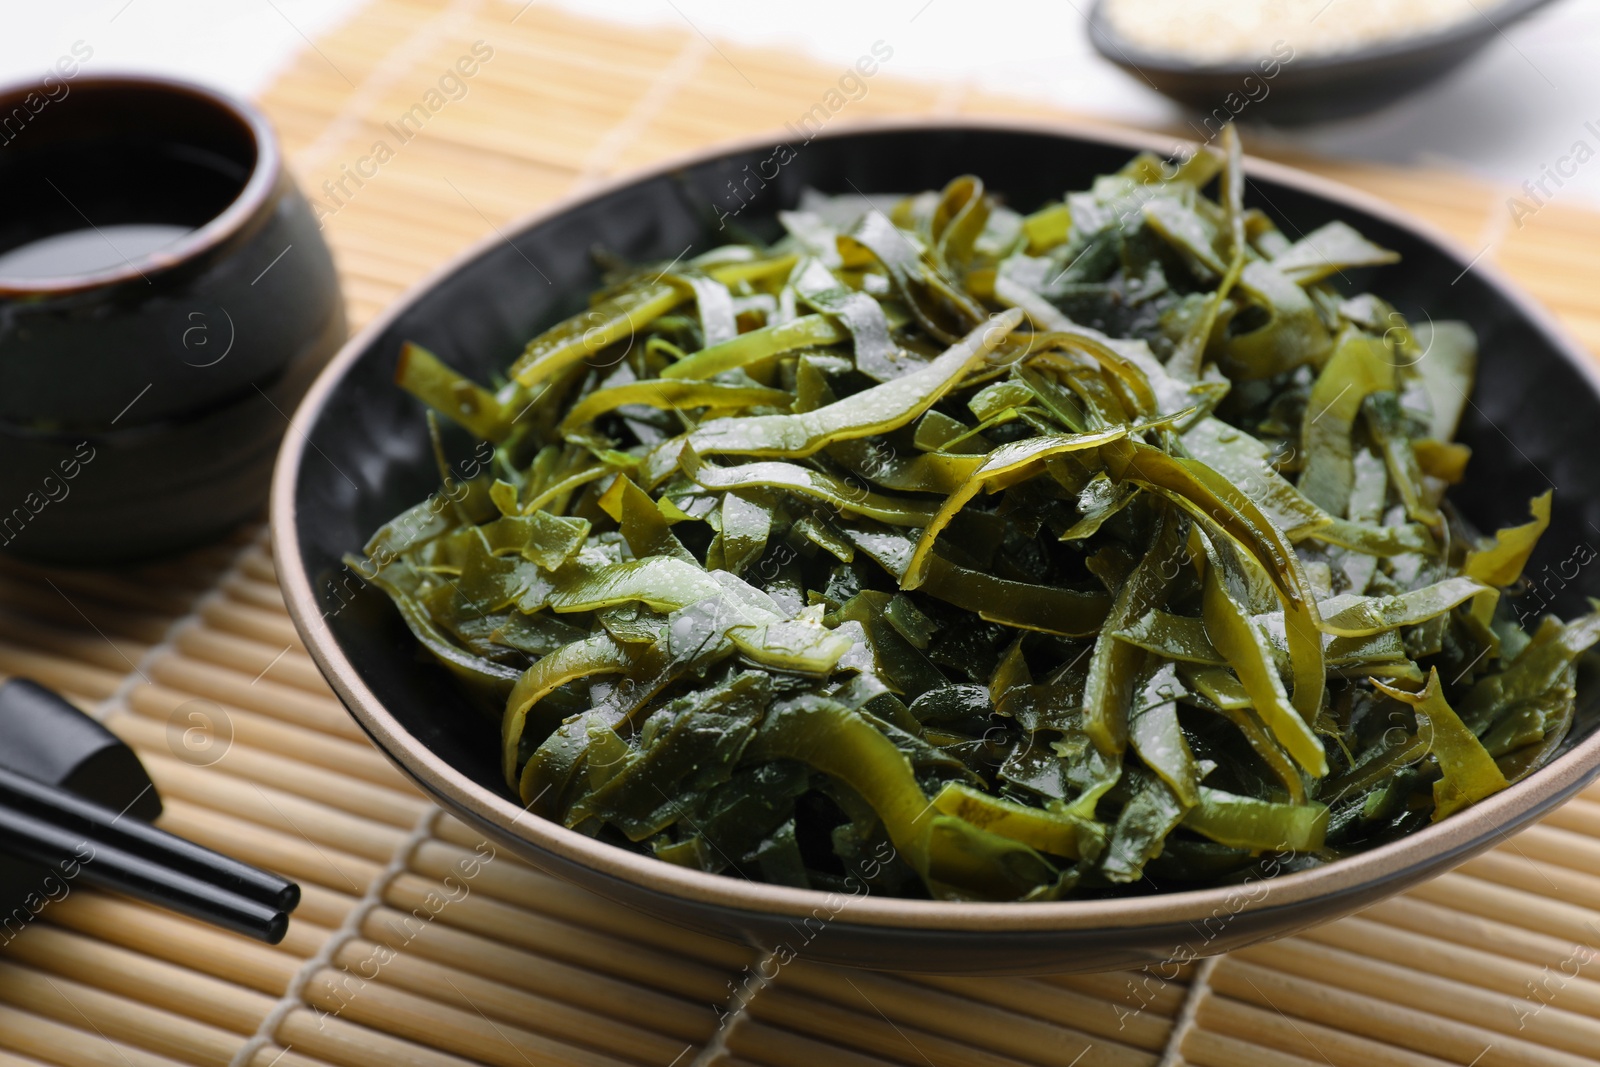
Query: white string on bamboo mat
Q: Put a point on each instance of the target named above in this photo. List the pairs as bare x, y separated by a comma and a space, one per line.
716, 1049
294, 994
398, 63
674, 76
1199, 989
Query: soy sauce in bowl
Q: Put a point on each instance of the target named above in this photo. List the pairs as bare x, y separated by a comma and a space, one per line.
85, 251
165, 295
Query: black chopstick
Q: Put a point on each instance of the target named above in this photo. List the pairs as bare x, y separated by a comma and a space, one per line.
99, 824
48, 825
30, 837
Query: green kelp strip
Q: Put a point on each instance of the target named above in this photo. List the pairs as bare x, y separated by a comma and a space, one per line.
1052, 555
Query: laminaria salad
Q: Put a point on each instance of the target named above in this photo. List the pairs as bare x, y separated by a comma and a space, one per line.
1086, 551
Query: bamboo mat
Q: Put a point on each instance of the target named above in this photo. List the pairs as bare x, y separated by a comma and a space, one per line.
416, 945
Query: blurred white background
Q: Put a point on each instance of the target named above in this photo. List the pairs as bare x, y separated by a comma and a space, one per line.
1518, 105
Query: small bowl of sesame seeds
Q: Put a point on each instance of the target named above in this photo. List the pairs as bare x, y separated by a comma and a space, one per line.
1294, 61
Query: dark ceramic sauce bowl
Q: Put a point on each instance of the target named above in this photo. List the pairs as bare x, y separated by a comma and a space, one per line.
165, 299
360, 455
1309, 88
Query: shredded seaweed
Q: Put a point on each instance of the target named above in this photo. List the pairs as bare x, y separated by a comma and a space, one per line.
1054, 555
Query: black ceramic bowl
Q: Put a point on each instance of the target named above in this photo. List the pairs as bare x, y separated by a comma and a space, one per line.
1308, 88
165, 299
360, 455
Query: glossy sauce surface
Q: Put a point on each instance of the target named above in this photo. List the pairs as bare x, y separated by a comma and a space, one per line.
88, 250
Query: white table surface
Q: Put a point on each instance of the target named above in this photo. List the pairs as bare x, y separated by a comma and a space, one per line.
1522, 103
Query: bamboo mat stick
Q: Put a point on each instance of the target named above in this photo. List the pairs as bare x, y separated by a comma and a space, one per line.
1130, 988
58, 1043
60, 673
631, 67
568, 904
1563, 848
1492, 936
248, 621
369, 301
515, 884
363, 312
141, 978
463, 139
519, 884
1205, 1049
1379, 1018
177, 940
166, 1033
347, 1044
374, 280
232, 687
1271, 1028
494, 183
450, 829
373, 277
1553, 250
319, 905
1127, 1022
342, 792
1518, 870
1446, 959
305, 936
340, 875
558, 76
253, 728
560, 142
672, 1010
1581, 816
607, 952
372, 274
1570, 923
952, 1018
878, 1035
351, 242
772, 1046
261, 594
614, 1030
273, 1056
495, 177
505, 877
396, 194
1571, 303
259, 566
287, 664
393, 217
464, 1030
8, 1060
274, 808
1536, 1021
